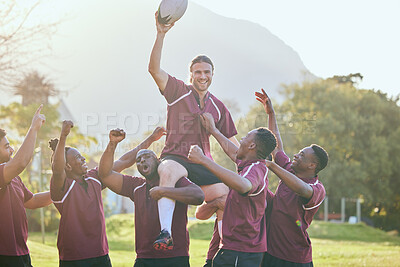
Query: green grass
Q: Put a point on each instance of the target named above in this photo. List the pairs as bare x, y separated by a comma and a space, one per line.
333, 244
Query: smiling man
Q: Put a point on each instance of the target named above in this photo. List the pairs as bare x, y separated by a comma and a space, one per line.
186, 103
145, 193
296, 200
15, 197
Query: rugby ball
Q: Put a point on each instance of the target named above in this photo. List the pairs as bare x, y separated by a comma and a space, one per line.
170, 11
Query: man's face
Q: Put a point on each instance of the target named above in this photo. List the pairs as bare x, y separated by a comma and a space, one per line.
76, 161
245, 143
303, 160
201, 76
6, 150
147, 162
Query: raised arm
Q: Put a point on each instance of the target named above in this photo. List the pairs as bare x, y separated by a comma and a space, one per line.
292, 181
229, 147
39, 200
108, 177
158, 74
24, 154
129, 158
272, 124
59, 161
238, 183
191, 194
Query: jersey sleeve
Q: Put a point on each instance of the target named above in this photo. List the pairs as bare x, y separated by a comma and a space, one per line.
317, 197
174, 89
27, 193
129, 184
283, 160
94, 173
226, 125
183, 182
257, 175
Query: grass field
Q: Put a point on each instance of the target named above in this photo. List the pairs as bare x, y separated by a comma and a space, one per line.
333, 244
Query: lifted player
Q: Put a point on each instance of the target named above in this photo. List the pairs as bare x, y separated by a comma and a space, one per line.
145, 193
185, 105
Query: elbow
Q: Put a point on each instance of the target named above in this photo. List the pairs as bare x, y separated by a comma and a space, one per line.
198, 198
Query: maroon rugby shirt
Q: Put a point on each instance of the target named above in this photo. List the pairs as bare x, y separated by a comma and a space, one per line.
147, 225
184, 127
82, 230
290, 217
244, 226
13, 222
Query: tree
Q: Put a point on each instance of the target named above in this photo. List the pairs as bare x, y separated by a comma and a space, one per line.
22, 39
360, 129
34, 88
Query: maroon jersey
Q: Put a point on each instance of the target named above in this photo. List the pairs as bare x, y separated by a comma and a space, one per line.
147, 225
290, 217
82, 230
243, 226
184, 127
13, 222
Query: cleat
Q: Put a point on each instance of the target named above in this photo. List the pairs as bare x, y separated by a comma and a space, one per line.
163, 241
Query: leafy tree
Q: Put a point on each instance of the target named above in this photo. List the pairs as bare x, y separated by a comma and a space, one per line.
360, 129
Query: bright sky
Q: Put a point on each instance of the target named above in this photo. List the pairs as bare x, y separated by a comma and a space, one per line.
332, 37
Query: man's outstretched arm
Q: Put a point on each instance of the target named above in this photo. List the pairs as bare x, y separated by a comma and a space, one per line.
292, 181
158, 74
129, 158
238, 183
272, 124
24, 154
229, 147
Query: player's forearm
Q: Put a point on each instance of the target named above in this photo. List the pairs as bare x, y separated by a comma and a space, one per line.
188, 195
227, 145
59, 156
129, 158
107, 160
155, 56
24, 153
292, 181
273, 127
228, 177
39, 200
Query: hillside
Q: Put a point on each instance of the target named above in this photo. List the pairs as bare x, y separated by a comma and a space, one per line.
101, 53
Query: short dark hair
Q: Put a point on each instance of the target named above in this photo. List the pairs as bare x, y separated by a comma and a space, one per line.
3, 133
53, 144
199, 59
322, 157
265, 141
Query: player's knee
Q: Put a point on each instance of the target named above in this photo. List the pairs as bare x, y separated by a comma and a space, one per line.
170, 172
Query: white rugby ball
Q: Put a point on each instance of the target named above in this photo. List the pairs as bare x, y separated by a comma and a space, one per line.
170, 11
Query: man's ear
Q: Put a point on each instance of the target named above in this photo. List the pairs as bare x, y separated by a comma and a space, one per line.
252, 146
312, 165
68, 167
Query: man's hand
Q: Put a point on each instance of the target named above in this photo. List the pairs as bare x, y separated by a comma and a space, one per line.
265, 100
66, 128
196, 155
207, 120
162, 28
38, 119
117, 135
158, 133
156, 193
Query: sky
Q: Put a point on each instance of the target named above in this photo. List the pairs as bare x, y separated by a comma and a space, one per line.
332, 37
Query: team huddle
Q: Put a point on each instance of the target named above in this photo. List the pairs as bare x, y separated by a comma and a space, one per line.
253, 226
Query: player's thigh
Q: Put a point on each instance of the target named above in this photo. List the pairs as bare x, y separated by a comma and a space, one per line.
214, 191
170, 172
